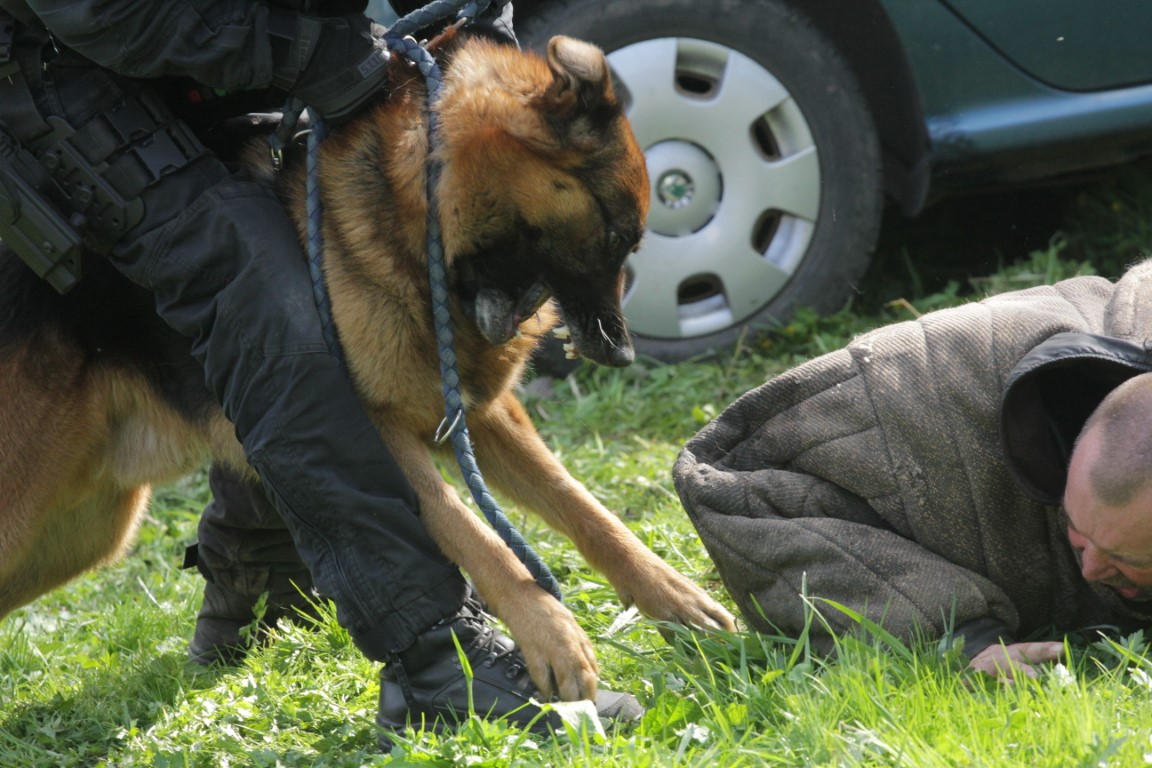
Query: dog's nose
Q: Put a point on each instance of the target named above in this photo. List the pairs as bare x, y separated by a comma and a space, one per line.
618, 356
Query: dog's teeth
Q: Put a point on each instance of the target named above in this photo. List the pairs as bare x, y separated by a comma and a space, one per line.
570, 351
561, 332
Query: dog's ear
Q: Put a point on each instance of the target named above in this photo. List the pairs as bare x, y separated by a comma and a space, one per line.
580, 71
580, 99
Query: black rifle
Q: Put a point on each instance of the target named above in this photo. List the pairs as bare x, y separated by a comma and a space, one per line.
30, 224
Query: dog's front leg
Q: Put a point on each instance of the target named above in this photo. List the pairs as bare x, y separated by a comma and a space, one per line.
558, 652
515, 459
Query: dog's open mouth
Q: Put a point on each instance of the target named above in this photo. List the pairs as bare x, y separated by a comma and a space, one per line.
531, 301
599, 336
498, 318
561, 332
595, 332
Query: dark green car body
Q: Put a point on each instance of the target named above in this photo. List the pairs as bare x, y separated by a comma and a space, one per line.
1013, 90
889, 101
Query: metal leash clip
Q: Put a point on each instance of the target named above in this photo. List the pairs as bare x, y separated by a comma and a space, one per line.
446, 429
285, 133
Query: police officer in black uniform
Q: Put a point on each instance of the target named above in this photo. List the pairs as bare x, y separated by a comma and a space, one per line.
88, 86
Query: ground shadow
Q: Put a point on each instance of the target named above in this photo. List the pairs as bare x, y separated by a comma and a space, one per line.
87, 723
957, 239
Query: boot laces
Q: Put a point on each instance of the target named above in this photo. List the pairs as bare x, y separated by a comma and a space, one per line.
487, 646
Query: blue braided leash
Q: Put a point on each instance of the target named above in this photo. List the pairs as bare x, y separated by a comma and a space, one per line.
453, 426
314, 210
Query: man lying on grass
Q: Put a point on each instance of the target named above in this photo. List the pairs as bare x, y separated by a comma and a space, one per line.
928, 477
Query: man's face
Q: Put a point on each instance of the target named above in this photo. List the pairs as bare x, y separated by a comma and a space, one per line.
1112, 544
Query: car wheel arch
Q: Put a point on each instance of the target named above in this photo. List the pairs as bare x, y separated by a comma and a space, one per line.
886, 82
812, 247
885, 78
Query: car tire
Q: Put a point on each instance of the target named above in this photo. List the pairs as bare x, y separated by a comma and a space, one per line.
794, 182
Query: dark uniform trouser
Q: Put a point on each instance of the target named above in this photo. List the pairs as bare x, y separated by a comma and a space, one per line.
223, 260
244, 551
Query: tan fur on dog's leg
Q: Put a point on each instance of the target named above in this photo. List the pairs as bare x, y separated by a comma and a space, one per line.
559, 654
515, 459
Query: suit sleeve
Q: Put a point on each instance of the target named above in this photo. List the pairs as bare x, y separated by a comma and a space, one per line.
220, 43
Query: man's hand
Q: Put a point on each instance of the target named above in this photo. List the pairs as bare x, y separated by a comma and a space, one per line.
333, 65
1008, 661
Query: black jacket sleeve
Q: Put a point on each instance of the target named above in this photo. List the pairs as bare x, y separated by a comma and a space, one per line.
980, 633
220, 43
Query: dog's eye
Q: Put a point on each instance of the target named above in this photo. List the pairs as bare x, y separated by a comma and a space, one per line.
620, 244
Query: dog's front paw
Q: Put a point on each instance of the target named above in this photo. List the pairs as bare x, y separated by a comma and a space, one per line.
662, 593
559, 654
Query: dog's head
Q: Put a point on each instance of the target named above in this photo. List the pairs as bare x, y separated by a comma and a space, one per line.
544, 192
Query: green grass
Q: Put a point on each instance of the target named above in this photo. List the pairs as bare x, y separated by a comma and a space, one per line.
95, 674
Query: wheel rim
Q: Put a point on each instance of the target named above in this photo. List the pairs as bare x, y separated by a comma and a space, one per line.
735, 186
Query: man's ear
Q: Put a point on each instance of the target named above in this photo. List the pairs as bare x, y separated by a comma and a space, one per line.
580, 98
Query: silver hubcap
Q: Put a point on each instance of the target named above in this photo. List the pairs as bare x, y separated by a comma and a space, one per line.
675, 189
735, 185
685, 188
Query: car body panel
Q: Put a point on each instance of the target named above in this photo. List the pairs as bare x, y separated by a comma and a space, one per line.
952, 96
992, 123
1068, 44
1002, 99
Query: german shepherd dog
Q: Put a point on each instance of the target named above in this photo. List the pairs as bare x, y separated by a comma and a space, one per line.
543, 194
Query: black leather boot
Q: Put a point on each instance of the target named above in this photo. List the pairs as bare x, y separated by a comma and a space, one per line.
218, 638
425, 686
244, 551
222, 627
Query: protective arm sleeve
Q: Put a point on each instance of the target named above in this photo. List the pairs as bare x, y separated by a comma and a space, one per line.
789, 543
220, 43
